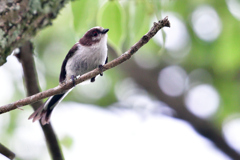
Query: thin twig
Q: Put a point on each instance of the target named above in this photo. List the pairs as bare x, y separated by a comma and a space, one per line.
6, 152
61, 88
31, 83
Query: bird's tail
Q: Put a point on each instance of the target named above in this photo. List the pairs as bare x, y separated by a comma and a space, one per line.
44, 111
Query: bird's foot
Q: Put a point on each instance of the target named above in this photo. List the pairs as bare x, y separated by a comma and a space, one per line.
93, 79
73, 80
101, 69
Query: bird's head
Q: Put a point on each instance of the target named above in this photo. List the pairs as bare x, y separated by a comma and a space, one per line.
94, 35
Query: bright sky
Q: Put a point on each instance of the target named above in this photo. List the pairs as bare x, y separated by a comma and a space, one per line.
112, 134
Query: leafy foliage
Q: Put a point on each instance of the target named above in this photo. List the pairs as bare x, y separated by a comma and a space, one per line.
112, 16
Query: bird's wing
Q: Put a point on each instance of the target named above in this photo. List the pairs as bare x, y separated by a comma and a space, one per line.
106, 60
71, 52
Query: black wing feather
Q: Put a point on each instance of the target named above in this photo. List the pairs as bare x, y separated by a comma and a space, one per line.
106, 60
71, 52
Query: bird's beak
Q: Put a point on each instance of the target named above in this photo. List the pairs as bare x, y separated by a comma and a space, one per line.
105, 31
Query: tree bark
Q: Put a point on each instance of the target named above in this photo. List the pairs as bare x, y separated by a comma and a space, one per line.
6, 152
31, 83
20, 20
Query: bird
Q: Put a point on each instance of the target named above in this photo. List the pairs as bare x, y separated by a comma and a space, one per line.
88, 53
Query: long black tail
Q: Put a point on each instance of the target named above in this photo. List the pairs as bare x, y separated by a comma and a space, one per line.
44, 112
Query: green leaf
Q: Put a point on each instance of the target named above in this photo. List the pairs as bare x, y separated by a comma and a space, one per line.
67, 141
140, 21
226, 55
112, 16
84, 14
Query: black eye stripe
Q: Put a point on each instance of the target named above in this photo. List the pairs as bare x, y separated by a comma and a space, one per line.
94, 33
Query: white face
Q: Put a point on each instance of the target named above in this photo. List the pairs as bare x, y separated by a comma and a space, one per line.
97, 38
102, 38
99, 35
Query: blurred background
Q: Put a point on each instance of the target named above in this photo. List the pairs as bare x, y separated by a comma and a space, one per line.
147, 107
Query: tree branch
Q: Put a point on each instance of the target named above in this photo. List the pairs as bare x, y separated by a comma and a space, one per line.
26, 58
61, 88
6, 152
21, 19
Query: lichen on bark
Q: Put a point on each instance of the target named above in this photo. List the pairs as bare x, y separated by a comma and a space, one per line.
20, 20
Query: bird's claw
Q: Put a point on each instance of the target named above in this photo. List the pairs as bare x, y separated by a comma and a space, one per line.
73, 80
101, 69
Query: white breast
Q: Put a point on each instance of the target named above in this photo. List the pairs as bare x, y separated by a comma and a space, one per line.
87, 58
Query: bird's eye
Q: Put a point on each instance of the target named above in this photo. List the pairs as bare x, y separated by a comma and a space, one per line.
95, 33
